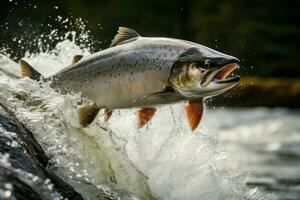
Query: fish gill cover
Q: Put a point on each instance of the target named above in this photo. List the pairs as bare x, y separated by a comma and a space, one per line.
163, 160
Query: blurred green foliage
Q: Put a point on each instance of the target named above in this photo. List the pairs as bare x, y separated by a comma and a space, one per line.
264, 34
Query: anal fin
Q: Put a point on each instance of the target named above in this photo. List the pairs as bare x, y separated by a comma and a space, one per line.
194, 112
144, 116
108, 113
87, 114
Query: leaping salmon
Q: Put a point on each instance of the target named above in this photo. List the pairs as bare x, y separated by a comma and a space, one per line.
144, 72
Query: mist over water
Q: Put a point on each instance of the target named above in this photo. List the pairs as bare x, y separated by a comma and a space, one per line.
163, 160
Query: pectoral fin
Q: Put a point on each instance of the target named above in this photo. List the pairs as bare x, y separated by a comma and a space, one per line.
87, 114
144, 116
194, 112
76, 58
167, 93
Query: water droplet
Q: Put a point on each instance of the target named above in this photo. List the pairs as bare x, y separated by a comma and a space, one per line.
7, 194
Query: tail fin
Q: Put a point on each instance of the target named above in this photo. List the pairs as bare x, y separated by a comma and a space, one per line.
28, 71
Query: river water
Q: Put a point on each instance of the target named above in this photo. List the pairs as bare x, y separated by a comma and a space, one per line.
235, 154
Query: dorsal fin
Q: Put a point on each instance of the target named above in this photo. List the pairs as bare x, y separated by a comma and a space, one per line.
123, 34
76, 58
28, 71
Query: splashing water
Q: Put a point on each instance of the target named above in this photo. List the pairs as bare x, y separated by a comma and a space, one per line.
163, 160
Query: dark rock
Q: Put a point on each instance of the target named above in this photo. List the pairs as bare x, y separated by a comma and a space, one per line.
26, 166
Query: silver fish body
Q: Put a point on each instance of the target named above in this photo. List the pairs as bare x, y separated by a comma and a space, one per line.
116, 77
144, 72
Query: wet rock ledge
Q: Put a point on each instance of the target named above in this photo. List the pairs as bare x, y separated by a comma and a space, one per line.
23, 172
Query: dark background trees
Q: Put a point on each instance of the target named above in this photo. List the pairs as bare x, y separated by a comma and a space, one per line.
264, 34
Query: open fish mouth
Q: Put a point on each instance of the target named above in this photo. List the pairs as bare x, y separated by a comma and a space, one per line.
220, 75
224, 72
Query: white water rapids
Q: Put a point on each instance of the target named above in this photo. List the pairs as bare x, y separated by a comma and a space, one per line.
163, 160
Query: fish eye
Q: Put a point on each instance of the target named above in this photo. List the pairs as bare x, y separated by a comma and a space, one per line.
206, 63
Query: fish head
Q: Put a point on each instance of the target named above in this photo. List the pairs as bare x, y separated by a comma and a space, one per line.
202, 72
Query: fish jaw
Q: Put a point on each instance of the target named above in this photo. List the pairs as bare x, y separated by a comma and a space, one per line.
196, 76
